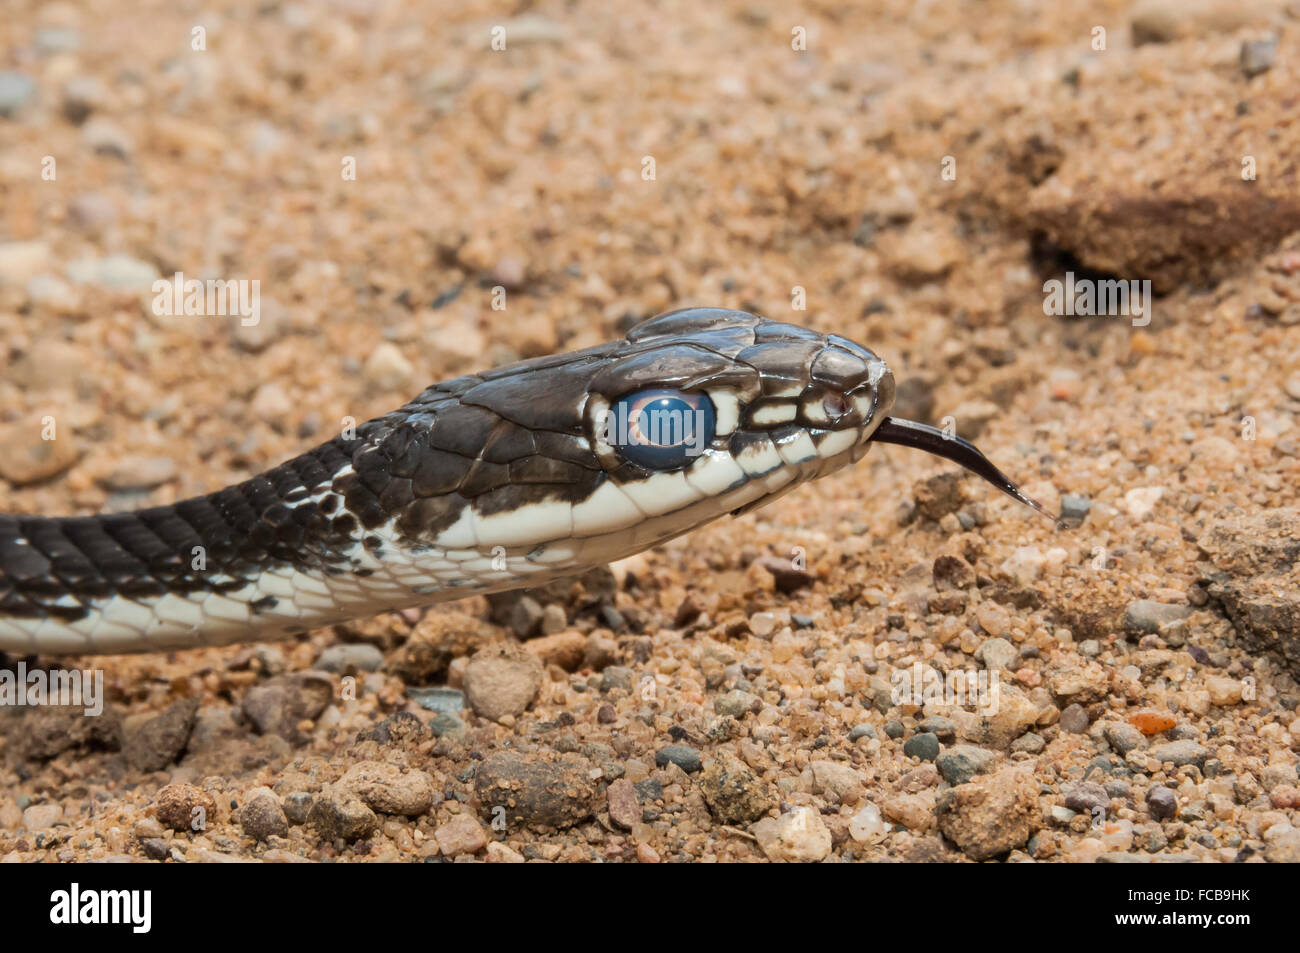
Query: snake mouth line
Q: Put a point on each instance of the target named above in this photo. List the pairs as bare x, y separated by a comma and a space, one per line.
909, 433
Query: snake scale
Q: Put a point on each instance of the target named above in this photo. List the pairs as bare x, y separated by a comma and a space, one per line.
500, 480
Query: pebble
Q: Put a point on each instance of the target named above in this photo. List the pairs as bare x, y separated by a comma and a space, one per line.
1061, 815
990, 815
350, 659
1025, 564
913, 811
118, 272
623, 805
1074, 507
973, 416
279, 705
1124, 738
1087, 797
1139, 502
81, 96
836, 780
554, 619
20, 262
1074, 719
339, 814
29, 459
736, 703
140, 473
185, 808
1257, 56
961, 763
261, 816
502, 680
894, 729
1283, 849
944, 728
1029, 743
460, 836
91, 211
447, 725
41, 817
1064, 383
797, 837
1180, 753
157, 742
998, 654
449, 701
499, 853
525, 616
565, 650
107, 138
538, 793
387, 789
1149, 722
684, 756
297, 807
616, 677
51, 40
867, 826
509, 272
1224, 691
924, 746
272, 405
1147, 616
16, 91
921, 255
786, 577
733, 793
867, 731
938, 496
387, 368
1162, 803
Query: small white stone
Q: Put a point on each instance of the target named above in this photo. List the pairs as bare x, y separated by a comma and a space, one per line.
387, 368
867, 826
1142, 500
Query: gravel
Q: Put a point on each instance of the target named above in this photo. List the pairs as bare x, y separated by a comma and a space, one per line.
684, 756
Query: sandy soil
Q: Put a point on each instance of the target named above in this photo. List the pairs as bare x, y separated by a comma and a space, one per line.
912, 177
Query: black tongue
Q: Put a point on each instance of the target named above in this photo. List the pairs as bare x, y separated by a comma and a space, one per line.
908, 433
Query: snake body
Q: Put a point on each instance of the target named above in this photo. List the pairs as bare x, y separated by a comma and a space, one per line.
505, 479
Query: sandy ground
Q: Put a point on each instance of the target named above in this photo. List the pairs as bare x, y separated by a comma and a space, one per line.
908, 176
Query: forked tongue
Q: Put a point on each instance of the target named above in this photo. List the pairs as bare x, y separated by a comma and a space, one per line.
908, 433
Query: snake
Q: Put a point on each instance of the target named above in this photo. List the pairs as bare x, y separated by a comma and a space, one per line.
505, 479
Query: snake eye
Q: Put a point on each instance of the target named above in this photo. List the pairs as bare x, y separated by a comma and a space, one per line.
660, 429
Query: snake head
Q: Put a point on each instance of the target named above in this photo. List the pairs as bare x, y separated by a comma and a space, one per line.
783, 403
731, 406
584, 456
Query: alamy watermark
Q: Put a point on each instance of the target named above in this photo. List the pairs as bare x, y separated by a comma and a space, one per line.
56, 688
923, 685
214, 297
676, 426
1109, 297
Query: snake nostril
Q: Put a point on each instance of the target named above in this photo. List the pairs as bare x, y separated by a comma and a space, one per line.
836, 405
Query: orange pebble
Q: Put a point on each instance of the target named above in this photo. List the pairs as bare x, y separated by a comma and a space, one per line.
1151, 722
